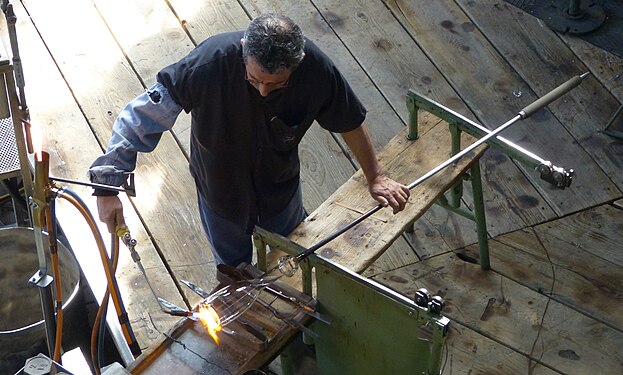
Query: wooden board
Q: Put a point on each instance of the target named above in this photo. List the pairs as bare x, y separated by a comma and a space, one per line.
72, 147
578, 111
605, 66
513, 315
494, 91
151, 37
592, 231
567, 273
469, 352
406, 160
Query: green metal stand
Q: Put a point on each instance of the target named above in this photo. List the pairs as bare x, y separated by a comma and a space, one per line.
373, 329
560, 177
416, 102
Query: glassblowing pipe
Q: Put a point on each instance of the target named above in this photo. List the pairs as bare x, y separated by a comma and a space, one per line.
288, 264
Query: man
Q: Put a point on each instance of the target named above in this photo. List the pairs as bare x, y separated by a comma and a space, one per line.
252, 97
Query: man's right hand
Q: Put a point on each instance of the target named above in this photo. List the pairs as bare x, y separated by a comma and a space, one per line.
110, 211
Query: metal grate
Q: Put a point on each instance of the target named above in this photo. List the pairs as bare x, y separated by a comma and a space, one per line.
9, 157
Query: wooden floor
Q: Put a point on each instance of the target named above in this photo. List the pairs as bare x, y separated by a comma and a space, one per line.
553, 302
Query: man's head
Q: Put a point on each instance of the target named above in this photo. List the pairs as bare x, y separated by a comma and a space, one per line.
273, 42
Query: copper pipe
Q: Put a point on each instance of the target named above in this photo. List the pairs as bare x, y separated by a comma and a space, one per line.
51, 224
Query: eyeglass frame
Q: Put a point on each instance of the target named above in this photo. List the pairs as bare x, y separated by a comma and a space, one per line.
255, 82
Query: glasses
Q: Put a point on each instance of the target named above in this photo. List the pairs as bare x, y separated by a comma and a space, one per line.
271, 85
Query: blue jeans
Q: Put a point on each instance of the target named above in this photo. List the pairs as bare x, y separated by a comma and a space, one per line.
231, 245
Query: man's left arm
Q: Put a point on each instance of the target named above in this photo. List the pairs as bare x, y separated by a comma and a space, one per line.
382, 188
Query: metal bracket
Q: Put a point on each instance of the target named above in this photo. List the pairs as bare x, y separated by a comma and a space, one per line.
41, 280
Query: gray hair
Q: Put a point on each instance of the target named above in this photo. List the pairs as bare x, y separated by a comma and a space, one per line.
275, 42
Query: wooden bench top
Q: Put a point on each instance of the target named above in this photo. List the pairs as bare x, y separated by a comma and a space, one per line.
404, 161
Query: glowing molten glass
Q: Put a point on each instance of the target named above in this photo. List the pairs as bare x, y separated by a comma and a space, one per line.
210, 320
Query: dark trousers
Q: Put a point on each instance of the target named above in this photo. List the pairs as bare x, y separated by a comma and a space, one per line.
231, 245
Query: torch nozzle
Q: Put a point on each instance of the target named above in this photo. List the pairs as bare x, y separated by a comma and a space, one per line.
129, 242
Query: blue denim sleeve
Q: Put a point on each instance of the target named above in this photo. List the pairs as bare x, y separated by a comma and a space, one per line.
138, 128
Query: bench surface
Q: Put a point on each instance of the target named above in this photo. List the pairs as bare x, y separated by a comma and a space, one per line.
404, 161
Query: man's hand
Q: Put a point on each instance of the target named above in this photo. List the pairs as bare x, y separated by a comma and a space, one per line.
382, 188
389, 192
110, 211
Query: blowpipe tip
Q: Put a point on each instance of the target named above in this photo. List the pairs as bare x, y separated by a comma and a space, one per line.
584, 75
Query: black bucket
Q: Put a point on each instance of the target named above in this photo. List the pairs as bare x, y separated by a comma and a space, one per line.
22, 331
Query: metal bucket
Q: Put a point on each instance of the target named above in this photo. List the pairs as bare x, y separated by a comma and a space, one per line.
22, 332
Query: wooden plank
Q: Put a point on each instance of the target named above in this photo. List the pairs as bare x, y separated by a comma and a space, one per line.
596, 231
151, 37
361, 245
605, 66
579, 112
487, 83
566, 273
576, 343
482, 301
548, 332
72, 146
469, 352
429, 238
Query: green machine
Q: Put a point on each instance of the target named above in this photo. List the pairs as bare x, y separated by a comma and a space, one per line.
373, 329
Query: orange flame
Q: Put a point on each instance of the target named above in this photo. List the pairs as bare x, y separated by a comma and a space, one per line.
211, 321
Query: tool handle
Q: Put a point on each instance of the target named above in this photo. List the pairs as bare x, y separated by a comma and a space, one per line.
552, 95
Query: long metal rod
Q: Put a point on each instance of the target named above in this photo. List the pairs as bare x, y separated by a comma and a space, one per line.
521, 115
415, 183
130, 191
481, 129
